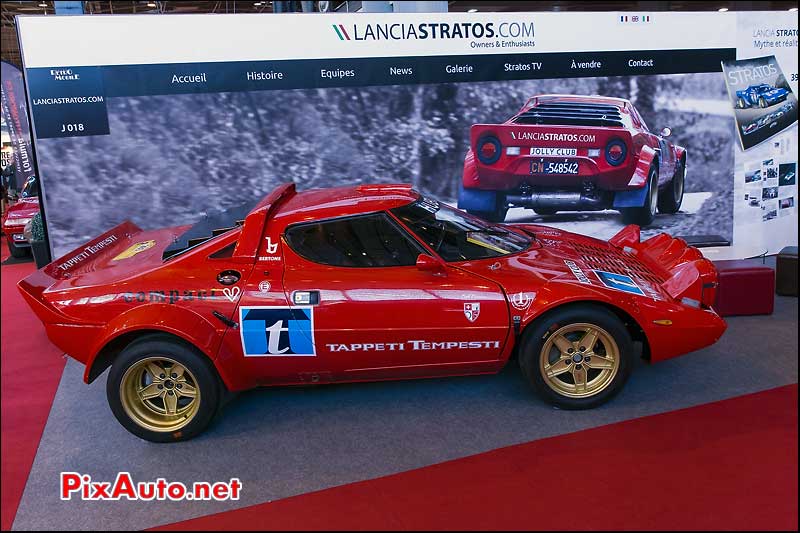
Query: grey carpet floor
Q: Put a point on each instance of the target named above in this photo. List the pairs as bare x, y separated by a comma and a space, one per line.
284, 442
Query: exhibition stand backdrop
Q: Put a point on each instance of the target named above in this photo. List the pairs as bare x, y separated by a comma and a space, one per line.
148, 118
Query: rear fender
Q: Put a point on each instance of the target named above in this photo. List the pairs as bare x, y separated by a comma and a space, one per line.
171, 319
637, 197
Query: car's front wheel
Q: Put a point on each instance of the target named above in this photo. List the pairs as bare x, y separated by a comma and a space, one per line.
644, 215
162, 390
740, 103
762, 102
578, 357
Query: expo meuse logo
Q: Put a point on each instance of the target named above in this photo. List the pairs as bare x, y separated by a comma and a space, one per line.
433, 30
277, 331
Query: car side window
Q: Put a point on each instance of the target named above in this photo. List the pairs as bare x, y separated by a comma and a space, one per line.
362, 241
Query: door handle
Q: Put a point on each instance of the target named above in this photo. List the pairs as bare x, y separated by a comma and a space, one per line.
305, 297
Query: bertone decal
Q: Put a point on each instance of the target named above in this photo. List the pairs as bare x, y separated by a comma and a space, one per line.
576, 270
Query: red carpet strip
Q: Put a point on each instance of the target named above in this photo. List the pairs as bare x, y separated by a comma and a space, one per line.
729, 465
31, 370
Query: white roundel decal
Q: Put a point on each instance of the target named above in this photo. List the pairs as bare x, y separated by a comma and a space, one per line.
264, 286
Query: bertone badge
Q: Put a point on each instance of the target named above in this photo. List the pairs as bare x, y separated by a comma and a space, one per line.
472, 310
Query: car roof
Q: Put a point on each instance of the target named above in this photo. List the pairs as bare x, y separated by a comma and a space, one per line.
318, 204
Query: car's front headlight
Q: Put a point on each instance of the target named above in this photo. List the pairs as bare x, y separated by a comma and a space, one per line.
17, 221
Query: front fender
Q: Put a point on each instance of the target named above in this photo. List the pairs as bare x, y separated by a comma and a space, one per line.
178, 321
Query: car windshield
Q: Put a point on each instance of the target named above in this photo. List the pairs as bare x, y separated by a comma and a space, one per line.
458, 236
31, 188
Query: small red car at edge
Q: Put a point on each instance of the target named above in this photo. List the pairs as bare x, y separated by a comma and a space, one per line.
375, 282
573, 153
18, 215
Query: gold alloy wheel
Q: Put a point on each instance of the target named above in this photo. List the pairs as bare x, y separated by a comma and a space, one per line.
579, 360
159, 394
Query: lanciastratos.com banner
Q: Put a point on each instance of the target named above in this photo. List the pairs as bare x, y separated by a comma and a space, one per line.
134, 39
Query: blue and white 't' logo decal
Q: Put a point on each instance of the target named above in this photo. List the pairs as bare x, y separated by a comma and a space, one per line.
277, 331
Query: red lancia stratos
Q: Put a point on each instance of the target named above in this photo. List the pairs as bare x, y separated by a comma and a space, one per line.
573, 153
358, 284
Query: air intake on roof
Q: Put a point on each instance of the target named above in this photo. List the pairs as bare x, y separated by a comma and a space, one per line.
571, 114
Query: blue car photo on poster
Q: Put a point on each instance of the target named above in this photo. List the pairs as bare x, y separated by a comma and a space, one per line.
277, 331
618, 282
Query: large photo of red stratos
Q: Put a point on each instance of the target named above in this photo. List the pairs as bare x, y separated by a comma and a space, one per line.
586, 155
573, 153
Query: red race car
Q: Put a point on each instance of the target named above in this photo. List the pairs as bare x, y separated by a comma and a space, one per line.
572, 153
19, 214
360, 284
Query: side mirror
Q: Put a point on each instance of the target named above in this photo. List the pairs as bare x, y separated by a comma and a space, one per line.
427, 263
666, 132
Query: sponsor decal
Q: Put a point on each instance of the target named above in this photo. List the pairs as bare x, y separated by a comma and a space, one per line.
231, 293
171, 296
272, 247
277, 331
558, 152
523, 135
87, 252
414, 345
137, 248
264, 286
522, 300
618, 282
472, 310
577, 272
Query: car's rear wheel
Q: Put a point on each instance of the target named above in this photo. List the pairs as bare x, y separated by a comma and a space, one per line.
162, 390
671, 197
578, 357
644, 215
545, 211
496, 215
741, 104
762, 102
17, 251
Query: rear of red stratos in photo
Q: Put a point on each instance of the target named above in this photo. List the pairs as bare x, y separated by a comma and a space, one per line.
573, 153
277, 296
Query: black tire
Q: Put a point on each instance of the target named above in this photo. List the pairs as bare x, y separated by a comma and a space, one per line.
204, 378
671, 196
545, 211
762, 103
741, 104
18, 251
536, 336
643, 216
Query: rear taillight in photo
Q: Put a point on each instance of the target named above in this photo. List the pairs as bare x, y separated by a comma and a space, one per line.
489, 150
616, 152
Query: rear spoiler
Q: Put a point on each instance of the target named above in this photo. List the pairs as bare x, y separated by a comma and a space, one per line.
62, 267
255, 223
690, 277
